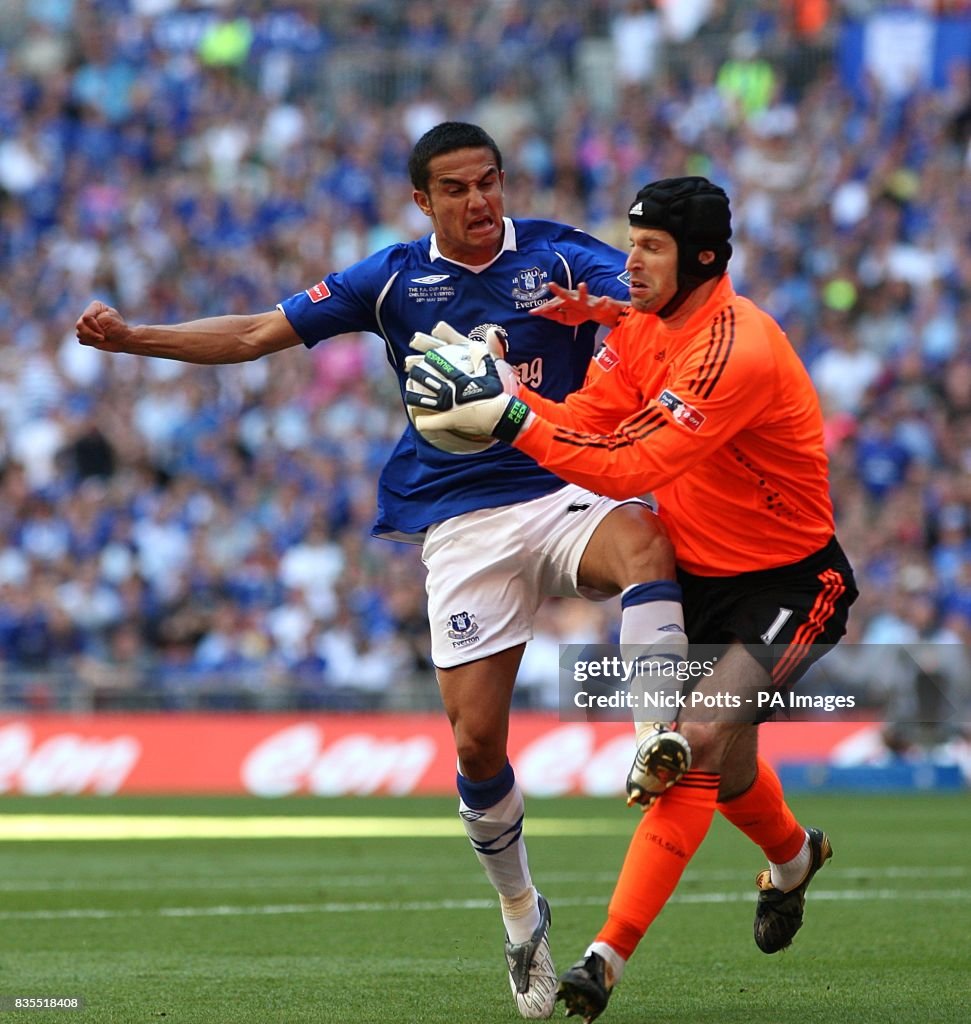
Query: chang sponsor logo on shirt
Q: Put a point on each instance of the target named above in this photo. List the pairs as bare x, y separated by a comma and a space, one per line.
530, 373
431, 288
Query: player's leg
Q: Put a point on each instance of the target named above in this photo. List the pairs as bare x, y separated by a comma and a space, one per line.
667, 836
723, 744
630, 553
794, 854
790, 616
752, 799
481, 604
477, 697
666, 839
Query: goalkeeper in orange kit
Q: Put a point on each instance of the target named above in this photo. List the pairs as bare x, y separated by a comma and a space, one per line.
697, 397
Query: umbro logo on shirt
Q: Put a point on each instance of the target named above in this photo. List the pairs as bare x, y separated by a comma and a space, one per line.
430, 279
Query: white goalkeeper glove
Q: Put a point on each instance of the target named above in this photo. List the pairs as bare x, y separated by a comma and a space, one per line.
445, 334
482, 402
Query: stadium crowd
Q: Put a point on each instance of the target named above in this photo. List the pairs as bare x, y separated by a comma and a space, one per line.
179, 536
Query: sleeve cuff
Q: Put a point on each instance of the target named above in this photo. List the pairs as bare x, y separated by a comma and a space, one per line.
512, 420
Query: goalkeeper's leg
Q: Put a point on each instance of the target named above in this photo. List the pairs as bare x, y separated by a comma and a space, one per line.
794, 854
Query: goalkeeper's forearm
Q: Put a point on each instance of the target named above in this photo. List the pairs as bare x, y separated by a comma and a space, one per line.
615, 465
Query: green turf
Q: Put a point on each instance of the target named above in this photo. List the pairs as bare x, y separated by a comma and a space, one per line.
353, 931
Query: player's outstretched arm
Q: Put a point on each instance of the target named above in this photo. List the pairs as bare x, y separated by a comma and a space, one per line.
217, 339
577, 307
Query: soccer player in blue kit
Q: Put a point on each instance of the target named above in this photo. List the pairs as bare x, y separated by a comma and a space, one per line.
499, 533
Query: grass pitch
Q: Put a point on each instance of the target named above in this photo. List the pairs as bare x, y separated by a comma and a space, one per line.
374, 911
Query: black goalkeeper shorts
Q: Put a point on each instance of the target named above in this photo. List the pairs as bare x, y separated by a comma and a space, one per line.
787, 617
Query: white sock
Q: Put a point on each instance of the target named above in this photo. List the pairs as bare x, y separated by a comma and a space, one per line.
614, 961
496, 836
520, 914
787, 876
652, 631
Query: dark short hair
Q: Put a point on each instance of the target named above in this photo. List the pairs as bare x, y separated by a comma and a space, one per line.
446, 138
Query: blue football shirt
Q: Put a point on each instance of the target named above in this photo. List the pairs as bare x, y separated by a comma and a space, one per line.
409, 287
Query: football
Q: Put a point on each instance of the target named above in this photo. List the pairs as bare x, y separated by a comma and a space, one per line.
451, 441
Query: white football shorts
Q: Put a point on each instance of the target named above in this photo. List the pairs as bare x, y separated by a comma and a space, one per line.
489, 570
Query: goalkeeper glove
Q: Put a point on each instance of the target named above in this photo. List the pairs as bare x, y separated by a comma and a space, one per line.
482, 402
445, 334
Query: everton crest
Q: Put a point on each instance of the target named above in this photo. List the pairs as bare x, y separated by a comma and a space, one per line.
462, 629
529, 285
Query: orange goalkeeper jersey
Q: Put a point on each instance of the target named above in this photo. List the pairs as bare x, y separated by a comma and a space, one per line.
718, 419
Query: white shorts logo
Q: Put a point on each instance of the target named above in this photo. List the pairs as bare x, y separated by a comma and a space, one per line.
785, 614
462, 629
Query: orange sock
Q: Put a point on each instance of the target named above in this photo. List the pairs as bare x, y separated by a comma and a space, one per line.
761, 812
666, 839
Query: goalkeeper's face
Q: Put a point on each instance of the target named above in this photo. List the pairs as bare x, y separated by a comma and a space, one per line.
465, 203
653, 267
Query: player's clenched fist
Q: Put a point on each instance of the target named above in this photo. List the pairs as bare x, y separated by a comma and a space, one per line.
102, 326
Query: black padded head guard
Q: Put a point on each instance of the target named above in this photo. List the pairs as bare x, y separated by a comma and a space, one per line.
696, 214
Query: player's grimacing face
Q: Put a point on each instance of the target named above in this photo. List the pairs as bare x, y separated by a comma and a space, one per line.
653, 267
465, 203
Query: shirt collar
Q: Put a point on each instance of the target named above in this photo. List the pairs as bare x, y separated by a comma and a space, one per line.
721, 296
508, 245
